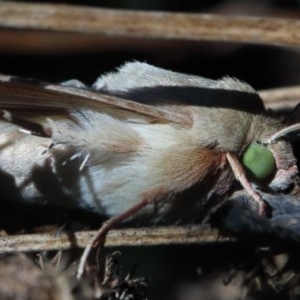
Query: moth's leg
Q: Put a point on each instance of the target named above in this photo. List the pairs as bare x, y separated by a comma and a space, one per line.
240, 175
26, 126
99, 238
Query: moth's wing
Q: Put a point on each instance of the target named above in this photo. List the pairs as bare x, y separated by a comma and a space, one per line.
30, 96
151, 85
150, 92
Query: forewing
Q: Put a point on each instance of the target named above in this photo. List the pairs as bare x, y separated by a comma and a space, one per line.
29, 96
138, 92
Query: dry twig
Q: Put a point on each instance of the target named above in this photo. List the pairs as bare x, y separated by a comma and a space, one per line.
167, 235
281, 98
159, 25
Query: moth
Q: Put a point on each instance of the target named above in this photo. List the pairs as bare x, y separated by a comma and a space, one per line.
139, 136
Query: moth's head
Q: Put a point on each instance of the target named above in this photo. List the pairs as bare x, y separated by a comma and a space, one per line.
271, 162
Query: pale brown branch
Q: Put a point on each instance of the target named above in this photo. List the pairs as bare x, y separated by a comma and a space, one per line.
151, 236
281, 98
159, 25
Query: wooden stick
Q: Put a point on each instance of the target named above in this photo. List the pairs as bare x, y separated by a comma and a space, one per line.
150, 236
147, 25
281, 98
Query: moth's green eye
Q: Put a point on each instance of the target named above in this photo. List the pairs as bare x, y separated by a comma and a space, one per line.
259, 161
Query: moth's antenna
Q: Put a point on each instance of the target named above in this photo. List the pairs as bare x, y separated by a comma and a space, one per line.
26, 126
283, 132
